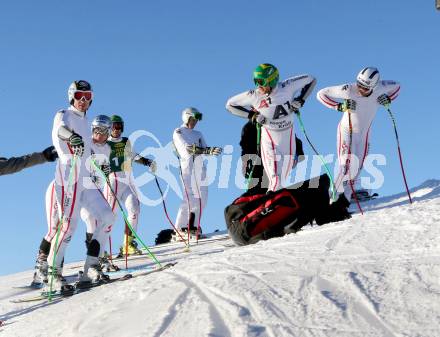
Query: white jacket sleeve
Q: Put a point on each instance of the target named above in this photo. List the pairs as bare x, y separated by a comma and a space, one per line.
329, 96
305, 83
391, 88
241, 104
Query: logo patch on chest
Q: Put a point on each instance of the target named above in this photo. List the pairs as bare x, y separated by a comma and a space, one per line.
263, 104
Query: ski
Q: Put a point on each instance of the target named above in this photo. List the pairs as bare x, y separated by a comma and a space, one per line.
148, 272
157, 249
77, 290
80, 288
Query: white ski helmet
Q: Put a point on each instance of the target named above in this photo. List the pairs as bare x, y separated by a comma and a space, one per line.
102, 122
368, 77
191, 112
80, 85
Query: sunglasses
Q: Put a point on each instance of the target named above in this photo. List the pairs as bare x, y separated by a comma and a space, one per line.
261, 82
78, 95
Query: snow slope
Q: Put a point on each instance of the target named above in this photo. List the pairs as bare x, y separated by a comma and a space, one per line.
373, 275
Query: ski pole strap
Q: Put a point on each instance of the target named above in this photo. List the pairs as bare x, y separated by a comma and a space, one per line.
127, 222
332, 184
60, 225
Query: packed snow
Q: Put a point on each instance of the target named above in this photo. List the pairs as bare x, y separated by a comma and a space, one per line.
377, 274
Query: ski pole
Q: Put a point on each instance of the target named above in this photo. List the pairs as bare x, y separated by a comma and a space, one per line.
60, 225
126, 243
127, 222
387, 106
200, 206
332, 186
165, 207
349, 163
166, 212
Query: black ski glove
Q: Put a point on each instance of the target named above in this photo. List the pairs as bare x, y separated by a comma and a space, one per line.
196, 150
384, 99
348, 104
213, 151
106, 169
50, 153
146, 162
77, 144
258, 118
296, 104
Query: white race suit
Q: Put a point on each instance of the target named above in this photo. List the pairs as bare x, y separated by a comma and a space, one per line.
353, 129
278, 145
193, 174
74, 188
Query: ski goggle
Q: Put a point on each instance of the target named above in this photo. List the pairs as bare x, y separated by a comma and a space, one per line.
260, 82
100, 130
198, 116
78, 95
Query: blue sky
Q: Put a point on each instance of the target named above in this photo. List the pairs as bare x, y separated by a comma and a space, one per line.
149, 60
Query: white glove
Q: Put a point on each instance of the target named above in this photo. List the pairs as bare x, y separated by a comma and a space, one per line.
153, 167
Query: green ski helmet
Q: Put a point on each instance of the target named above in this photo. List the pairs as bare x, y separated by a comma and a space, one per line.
266, 75
117, 119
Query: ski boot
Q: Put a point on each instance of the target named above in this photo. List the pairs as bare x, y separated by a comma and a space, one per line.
40, 273
88, 239
106, 264
193, 233
58, 283
129, 247
179, 236
92, 275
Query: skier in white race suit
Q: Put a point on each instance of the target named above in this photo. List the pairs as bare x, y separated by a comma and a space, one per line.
358, 103
191, 146
71, 137
272, 105
122, 182
100, 155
